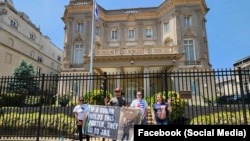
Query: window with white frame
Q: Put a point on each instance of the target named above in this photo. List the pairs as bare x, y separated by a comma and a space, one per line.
114, 34
59, 58
78, 54
32, 54
131, 89
32, 36
40, 59
189, 48
97, 31
8, 58
58, 67
166, 27
52, 65
194, 87
39, 70
131, 33
149, 32
79, 27
13, 23
187, 21
41, 47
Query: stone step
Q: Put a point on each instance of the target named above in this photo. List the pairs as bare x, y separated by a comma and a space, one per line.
150, 117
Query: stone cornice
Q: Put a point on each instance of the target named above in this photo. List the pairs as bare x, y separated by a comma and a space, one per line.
201, 2
139, 13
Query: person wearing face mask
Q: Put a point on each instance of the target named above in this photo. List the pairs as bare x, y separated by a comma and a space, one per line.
141, 104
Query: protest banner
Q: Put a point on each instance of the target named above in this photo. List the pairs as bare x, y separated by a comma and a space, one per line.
128, 118
112, 122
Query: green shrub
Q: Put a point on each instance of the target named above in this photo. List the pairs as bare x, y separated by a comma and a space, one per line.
64, 99
12, 100
32, 101
49, 122
96, 97
49, 100
221, 118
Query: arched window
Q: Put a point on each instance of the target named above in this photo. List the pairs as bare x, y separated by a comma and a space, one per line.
13, 23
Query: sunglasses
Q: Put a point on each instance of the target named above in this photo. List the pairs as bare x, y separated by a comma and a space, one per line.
117, 91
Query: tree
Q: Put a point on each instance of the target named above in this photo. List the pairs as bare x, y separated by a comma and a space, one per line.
23, 81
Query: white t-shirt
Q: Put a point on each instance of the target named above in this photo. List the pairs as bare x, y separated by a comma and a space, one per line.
140, 103
80, 110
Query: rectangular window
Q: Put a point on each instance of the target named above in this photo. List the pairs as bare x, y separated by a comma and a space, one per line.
149, 32
189, 49
166, 27
13, 23
79, 27
39, 70
32, 54
78, 54
131, 33
97, 31
8, 58
52, 65
32, 36
187, 21
59, 58
114, 34
40, 59
194, 88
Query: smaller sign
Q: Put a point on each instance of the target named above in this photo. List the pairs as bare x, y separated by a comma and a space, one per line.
185, 94
112, 122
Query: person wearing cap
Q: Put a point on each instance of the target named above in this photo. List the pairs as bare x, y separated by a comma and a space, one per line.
80, 113
117, 100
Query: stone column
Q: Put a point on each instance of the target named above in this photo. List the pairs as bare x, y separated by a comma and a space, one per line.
146, 81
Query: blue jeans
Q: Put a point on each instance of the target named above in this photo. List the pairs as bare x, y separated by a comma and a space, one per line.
144, 121
162, 122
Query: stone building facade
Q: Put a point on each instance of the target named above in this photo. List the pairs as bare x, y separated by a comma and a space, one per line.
21, 39
171, 36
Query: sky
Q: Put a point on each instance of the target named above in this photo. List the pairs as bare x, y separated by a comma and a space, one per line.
228, 24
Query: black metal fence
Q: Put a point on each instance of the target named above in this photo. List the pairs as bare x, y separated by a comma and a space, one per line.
41, 106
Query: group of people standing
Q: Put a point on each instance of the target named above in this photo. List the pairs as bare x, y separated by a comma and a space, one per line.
161, 108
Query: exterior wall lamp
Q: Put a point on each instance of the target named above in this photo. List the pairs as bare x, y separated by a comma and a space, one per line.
132, 61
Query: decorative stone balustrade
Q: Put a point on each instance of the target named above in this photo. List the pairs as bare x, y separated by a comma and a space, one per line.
135, 51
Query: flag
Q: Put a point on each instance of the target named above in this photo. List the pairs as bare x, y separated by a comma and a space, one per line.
96, 11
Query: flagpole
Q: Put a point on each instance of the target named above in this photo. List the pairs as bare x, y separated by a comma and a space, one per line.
92, 45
